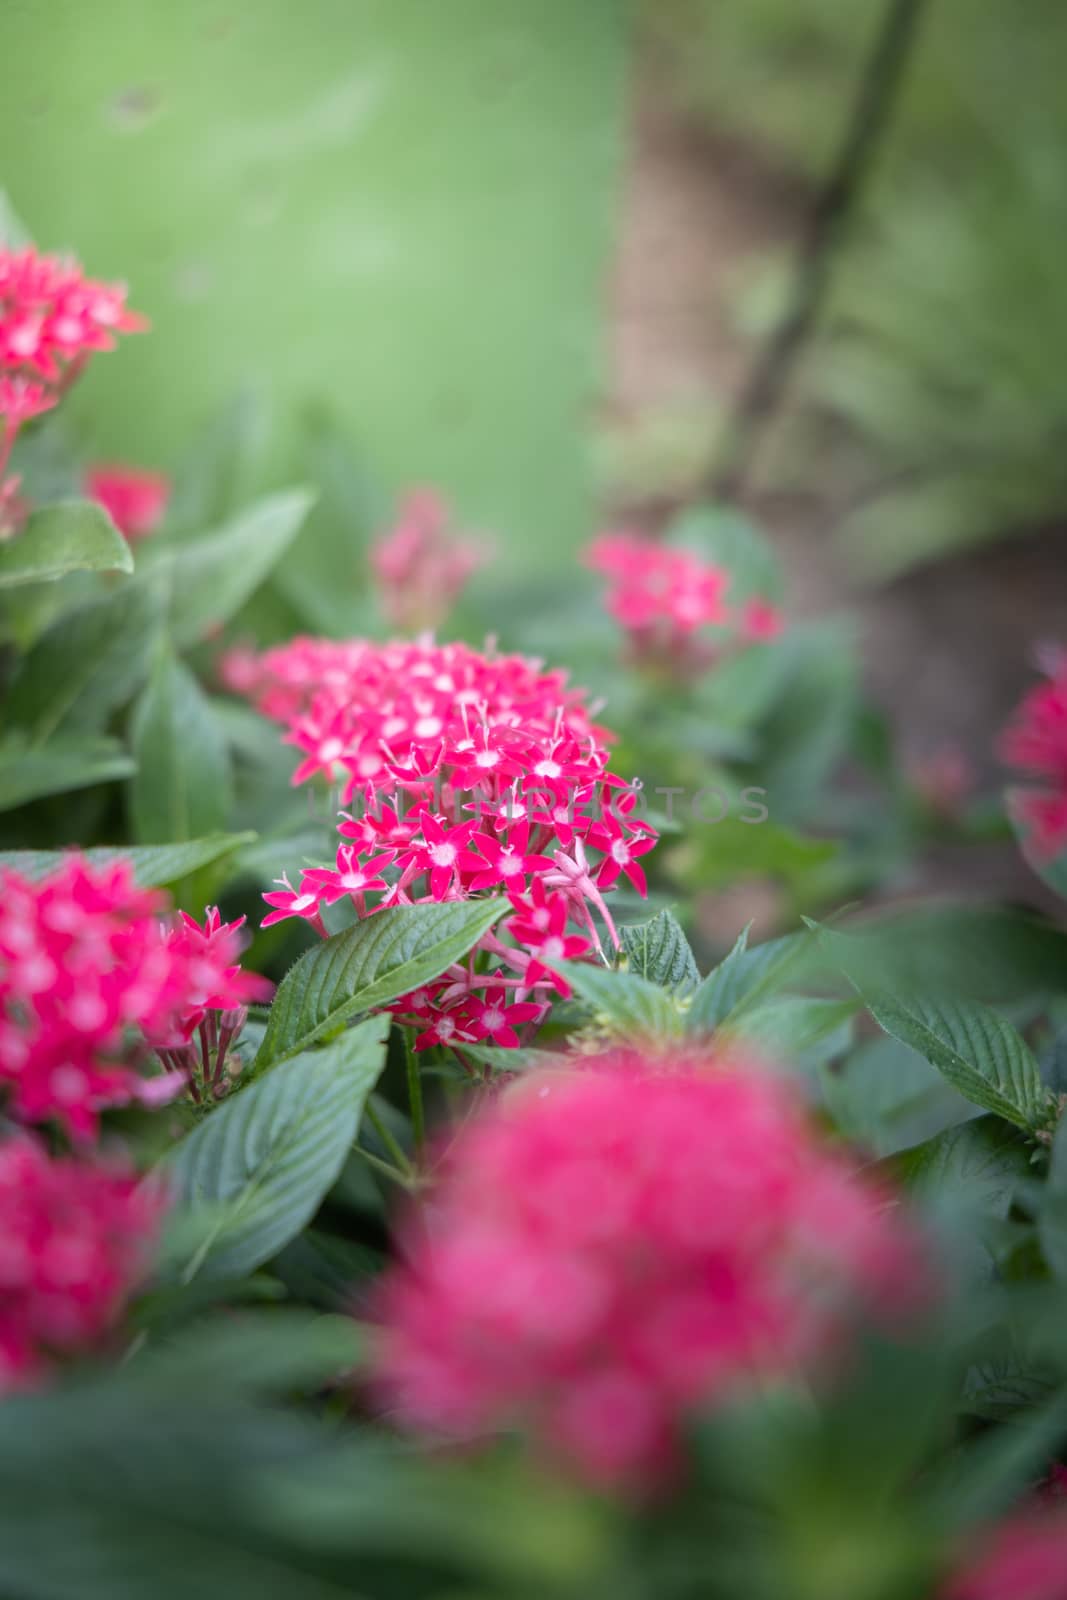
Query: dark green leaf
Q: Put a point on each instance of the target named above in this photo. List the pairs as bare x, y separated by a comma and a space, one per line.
72, 536
57, 767
88, 663
383, 956
974, 1048
268, 1155
1052, 1215
182, 785
153, 865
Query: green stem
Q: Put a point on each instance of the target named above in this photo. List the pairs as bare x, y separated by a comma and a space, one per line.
390, 1143
418, 1116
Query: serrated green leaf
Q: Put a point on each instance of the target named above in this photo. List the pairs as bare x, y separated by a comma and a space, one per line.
57, 767
969, 1175
382, 957
153, 865
88, 663
629, 1004
71, 536
974, 1048
659, 951
268, 1155
182, 786
213, 576
746, 978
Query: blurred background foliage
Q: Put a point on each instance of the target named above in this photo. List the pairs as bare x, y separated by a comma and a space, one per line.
939, 350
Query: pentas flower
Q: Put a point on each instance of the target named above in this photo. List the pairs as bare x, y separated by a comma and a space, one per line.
52, 319
76, 1238
1035, 742
134, 500
664, 596
1023, 1559
93, 979
420, 566
610, 1249
467, 773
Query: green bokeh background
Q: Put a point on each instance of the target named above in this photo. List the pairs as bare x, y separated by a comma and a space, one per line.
398, 209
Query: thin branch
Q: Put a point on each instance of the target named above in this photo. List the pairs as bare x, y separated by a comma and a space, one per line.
872, 112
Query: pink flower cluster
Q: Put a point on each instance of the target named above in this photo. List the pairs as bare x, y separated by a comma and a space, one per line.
663, 597
1024, 1559
610, 1248
420, 566
1035, 742
93, 980
52, 319
75, 1240
475, 772
136, 501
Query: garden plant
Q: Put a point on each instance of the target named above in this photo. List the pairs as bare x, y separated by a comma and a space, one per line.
406, 1190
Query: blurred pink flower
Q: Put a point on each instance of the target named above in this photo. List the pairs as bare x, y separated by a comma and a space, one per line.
420, 565
664, 596
52, 319
1035, 742
1025, 1558
612, 1247
134, 500
76, 1238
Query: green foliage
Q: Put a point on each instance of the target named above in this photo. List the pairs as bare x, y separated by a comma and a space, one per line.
153, 865
182, 786
72, 536
624, 1003
211, 576
263, 1161
659, 951
88, 663
372, 963
69, 762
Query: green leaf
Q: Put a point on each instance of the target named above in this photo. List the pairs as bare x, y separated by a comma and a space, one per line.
745, 979
974, 1048
268, 1156
251, 1353
88, 663
887, 1097
628, 1003
213, 576
72, 536
969, 1175
383, 956
729, 540
659, 951
796, 1028
1052, 1215
57, 767
153, 865
182, 786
